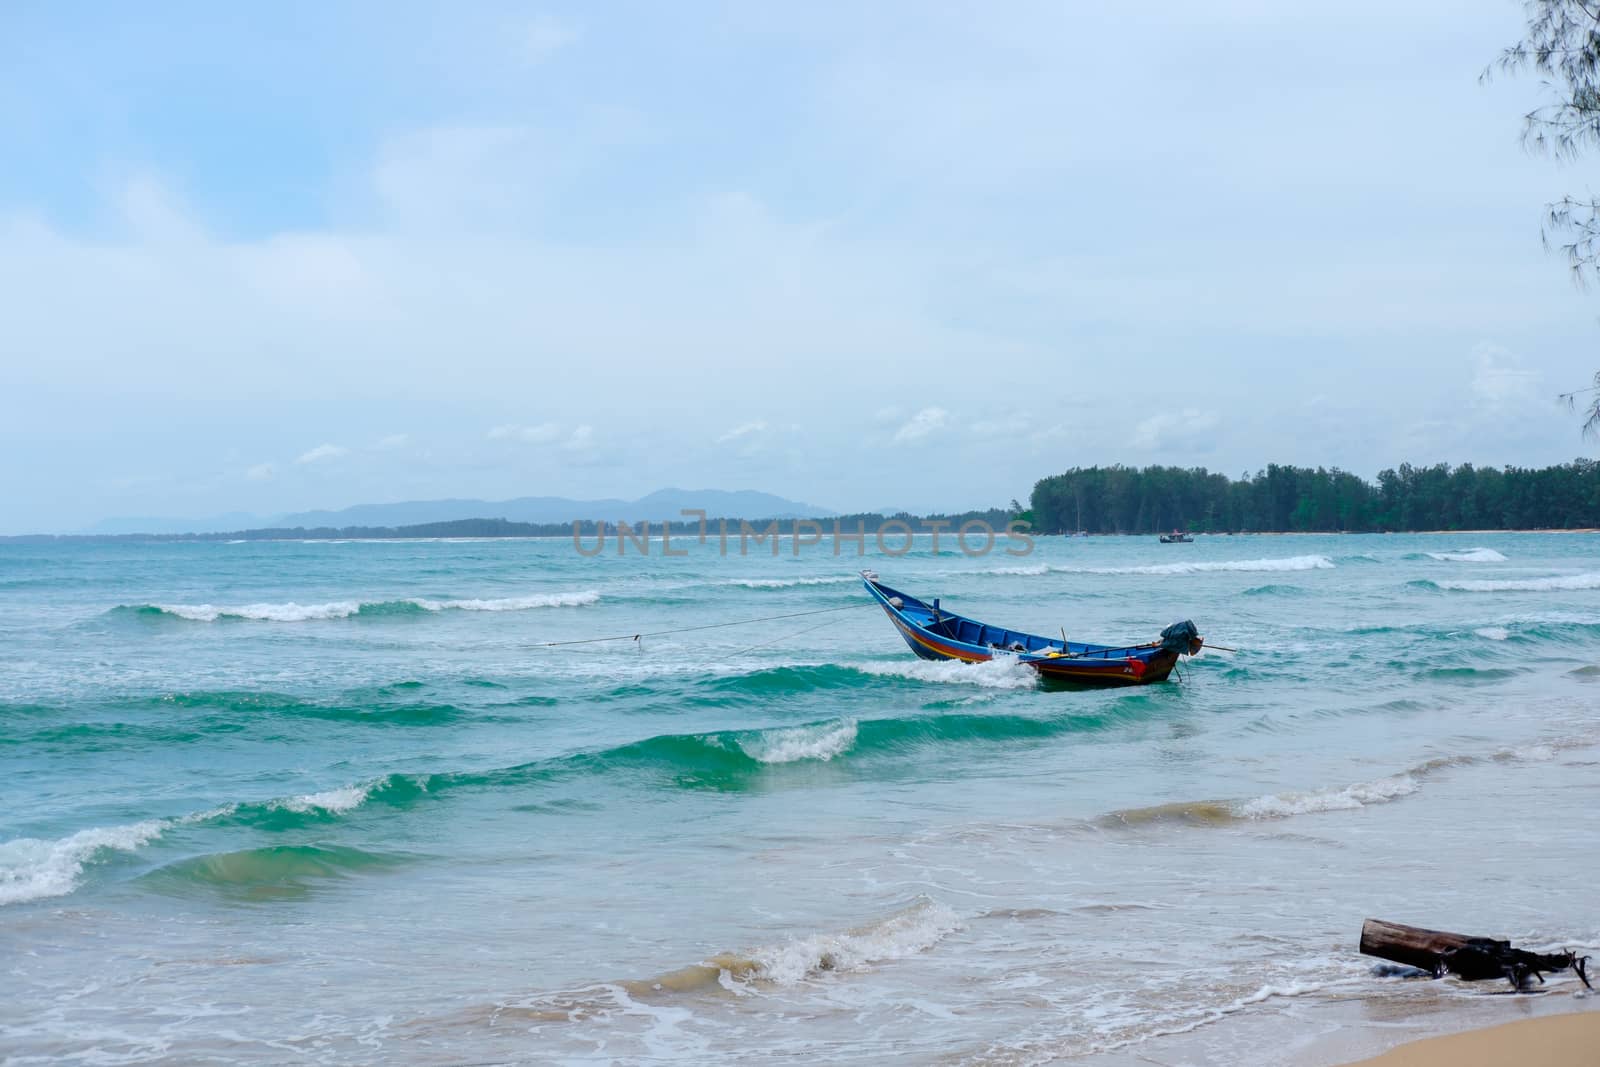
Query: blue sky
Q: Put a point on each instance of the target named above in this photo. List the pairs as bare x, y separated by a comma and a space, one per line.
860, 255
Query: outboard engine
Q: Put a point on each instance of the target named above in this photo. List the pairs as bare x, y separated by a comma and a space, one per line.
1181, 637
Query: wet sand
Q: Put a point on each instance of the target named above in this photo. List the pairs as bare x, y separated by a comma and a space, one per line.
1566, 1040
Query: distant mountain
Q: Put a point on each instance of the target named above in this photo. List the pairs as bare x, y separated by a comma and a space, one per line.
234, 520
658, 506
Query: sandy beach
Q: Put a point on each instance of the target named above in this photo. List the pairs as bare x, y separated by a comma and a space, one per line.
1566, 1040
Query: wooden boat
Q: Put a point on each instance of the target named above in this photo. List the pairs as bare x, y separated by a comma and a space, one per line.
936, 634
1176, 538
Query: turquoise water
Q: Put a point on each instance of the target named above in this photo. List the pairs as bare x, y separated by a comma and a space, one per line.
338, 802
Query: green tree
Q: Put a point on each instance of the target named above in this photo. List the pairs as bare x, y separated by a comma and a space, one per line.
1562, 47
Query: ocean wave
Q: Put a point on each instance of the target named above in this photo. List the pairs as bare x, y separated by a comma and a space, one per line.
1555, 583
267, 871
334, 801
1277, 805
820, 741
1002, 672
788, 583
1271, 565
1493, 633
1468, 555
513, 603
343, 609
35, 869
1360, 795
905, 933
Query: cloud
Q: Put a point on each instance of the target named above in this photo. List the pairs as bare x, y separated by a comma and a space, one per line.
1187, 430
1500, 377
261, 472
322, 452
743, 430
920, 425
394, 440
544, 36
581, 439
543, 433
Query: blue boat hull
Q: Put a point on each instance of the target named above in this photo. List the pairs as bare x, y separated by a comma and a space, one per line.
934, 634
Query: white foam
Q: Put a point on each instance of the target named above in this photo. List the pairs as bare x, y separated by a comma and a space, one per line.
1493, 633
289, 612
513, 603
1554, 583
343, 609
1289, 563
787, 583
1469, 555
820, 741
333, 801
1033, 571
1002, 672
33, 869
1360, 795
905, 933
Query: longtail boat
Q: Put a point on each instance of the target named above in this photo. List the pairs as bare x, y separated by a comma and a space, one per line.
936, 634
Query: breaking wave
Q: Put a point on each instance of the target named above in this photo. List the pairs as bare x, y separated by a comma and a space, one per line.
905, 933
1556, 583
1286, 805
789, 583
1468, 555
1002, 672
821, 741
268, 871
34, 869
344, 609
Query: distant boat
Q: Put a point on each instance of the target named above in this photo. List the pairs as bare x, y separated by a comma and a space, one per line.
936, 634
1176, 538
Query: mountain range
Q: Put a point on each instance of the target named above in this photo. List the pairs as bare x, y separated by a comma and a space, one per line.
660, 505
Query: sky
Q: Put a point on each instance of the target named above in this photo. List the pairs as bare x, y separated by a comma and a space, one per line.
268, 258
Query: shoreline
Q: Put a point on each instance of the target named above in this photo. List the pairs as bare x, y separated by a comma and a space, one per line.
1564, 1038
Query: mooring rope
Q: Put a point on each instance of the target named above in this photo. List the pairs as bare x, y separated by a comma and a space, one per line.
782, 637
705, 626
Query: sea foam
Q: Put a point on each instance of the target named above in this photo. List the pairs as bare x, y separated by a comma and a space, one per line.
344, 609
1555, 583
1360, 795
513, 603
334, 801
789, 583
34, 869
820, 741
1469, 555
1002, 672
905, 933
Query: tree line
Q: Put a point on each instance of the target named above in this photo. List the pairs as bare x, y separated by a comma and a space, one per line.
1120, 499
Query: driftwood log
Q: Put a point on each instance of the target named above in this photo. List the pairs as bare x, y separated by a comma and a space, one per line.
1471, 959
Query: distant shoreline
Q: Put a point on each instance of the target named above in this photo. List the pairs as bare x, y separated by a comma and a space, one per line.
440, 532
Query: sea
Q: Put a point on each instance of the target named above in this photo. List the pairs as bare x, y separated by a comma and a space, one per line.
355, 801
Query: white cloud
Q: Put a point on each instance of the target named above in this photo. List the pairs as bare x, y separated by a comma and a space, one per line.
544, 36
1189, 429
920, 425
543, 433
744, 430
261, 472
394, 440
322, 452
581, 439
1500, 377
